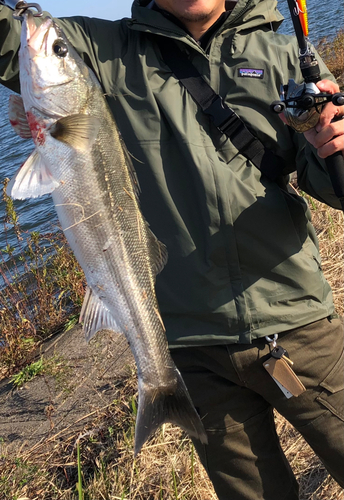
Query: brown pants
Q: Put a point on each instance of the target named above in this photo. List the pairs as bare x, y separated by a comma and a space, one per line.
235, 397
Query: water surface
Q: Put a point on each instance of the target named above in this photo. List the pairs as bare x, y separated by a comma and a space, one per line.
325, 19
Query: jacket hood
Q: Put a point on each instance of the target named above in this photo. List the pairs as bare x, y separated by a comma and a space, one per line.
246, 14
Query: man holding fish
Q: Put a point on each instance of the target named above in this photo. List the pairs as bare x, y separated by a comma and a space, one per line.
249, 316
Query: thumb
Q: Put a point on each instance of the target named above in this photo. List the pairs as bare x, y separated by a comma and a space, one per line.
328, 86
329, 111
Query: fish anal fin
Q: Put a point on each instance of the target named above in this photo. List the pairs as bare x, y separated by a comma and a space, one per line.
17, 116
78, 131
32, 179
95, 316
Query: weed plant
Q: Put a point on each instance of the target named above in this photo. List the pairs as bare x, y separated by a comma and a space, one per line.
333, 55
42, 287
98, 463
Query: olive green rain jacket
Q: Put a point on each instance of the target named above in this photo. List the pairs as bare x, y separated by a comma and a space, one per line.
243, 255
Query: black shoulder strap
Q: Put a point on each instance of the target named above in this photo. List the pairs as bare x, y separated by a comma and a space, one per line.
224, 118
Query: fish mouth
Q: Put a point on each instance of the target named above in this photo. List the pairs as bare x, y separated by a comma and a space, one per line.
35, 38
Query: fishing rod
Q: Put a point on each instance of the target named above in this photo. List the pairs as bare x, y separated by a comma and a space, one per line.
303, 103
300, 103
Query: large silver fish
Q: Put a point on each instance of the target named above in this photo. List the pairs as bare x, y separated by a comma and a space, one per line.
81, 159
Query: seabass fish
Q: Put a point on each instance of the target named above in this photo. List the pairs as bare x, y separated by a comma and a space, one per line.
80, 158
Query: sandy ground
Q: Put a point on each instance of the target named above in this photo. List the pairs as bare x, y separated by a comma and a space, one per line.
81, 379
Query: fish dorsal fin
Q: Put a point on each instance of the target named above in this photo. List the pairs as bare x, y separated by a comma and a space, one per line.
17, 116
95, 316
158, 253
33, 179
78, 131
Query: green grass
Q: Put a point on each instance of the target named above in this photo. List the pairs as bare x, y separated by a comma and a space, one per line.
79, 483
100, 465
28, 373
55, 366
42, 293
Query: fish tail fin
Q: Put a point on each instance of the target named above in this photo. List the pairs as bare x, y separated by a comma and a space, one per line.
168, 404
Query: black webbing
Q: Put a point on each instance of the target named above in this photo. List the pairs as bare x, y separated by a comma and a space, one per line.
224, 118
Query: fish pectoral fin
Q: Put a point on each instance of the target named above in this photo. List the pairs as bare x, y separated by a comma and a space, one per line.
32, 179
158, 253
78, 131
95, 316
17, 116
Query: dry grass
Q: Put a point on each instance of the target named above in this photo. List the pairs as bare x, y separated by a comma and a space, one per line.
167, 468
333, 54
41, 287
315, 482
329, 225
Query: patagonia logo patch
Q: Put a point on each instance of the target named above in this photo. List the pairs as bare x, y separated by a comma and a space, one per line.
250, 73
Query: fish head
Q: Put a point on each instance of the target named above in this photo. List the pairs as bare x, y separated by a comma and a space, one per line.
53, 77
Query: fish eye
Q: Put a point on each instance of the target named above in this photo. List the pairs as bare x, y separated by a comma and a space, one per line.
60, 48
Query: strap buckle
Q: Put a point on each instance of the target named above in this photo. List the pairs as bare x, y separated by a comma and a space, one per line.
224, 118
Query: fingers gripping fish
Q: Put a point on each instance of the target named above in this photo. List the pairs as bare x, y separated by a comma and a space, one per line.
81, 160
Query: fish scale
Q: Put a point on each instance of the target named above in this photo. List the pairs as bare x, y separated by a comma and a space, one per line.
81, 160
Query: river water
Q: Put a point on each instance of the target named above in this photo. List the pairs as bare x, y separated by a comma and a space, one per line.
325, 18
39, 214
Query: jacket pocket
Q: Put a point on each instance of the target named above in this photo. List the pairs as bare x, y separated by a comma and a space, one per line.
333, 395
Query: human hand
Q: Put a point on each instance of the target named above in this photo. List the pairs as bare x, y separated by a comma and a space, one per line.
328, 136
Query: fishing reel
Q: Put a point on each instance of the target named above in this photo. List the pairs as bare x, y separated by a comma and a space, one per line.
21, 7
302, 104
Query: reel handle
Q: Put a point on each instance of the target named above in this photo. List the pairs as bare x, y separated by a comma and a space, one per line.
338, 99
